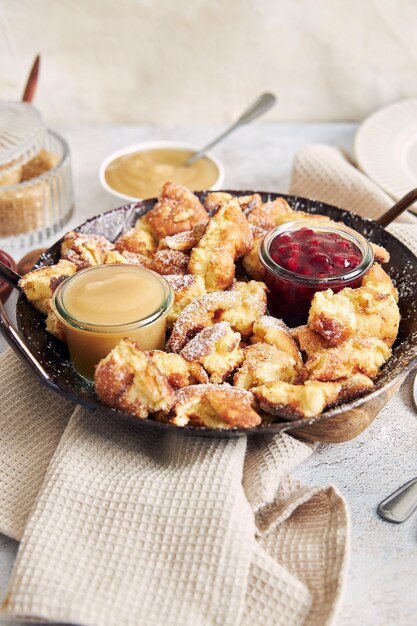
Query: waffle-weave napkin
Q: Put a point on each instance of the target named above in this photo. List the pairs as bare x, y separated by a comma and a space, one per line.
119, 526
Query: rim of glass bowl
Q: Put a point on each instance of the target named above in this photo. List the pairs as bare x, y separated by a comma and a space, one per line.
316, 225
49, 173
64, 315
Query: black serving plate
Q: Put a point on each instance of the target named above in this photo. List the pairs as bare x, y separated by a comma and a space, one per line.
338, 424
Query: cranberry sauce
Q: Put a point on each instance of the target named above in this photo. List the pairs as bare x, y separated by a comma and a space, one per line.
300, 259
311, 253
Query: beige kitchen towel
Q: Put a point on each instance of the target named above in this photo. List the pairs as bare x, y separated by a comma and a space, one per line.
322, 172
32, 421
137, 527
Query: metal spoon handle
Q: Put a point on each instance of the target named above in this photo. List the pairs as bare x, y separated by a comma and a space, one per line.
258, 108
399, 505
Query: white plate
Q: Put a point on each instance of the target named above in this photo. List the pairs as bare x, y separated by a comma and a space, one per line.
386, 148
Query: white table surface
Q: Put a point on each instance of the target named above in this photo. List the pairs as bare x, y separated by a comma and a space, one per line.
382, 578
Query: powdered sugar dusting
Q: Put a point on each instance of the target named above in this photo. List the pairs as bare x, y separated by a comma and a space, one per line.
179, 282
203, 344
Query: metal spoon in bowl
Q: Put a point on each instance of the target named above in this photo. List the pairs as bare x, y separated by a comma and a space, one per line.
258, 108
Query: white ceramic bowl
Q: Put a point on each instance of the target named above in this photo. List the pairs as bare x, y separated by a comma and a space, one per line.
151, 145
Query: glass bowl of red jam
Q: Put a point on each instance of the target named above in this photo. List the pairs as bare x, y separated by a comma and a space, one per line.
306, 256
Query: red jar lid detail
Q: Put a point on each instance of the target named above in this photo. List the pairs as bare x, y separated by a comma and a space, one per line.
315, 253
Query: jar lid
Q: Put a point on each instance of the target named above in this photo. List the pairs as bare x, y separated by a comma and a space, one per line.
22, 134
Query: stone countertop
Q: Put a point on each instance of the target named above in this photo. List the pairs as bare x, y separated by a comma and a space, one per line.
382, 576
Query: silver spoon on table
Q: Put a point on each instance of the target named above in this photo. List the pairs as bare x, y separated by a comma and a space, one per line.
402, 503
258, 108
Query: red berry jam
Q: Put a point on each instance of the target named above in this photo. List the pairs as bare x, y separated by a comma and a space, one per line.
306, 256
312, 253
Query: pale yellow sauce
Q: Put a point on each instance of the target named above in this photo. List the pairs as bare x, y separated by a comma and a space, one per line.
119, 295
106, 298
142, 174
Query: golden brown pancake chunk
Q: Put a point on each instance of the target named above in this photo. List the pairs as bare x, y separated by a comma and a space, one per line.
54, 326
308, 340
170, 262
276, 332
264, 363
268, 215
142, 224
136, 241
179, 372
380, 254
357, 355
369, 311
39, 285
114, 257
184, 242
354, 386
214, 406
296, 401
227, 237
85, 250
186, 288
128, 379
215, 199
250, 260
218, 350
177, 210
202, 312
249, 203
251, 306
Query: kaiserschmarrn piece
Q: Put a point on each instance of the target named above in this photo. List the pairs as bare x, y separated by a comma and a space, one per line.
170, 262
218, 350
369, 311
274, 331
296, 401
214, 406
251, 306
380, 254
216, 199
128, 379
184, 242
269, 214
136, 241
114, 257
227, 237
264, 363
186, 288
85, 250
240, 306
177, 210
54, 326
308, 340
250, 260
39, 285
179, 371
202, 312
363, 355
354, 386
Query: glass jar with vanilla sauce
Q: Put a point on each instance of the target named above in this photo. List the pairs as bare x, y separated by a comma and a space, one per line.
100, 306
